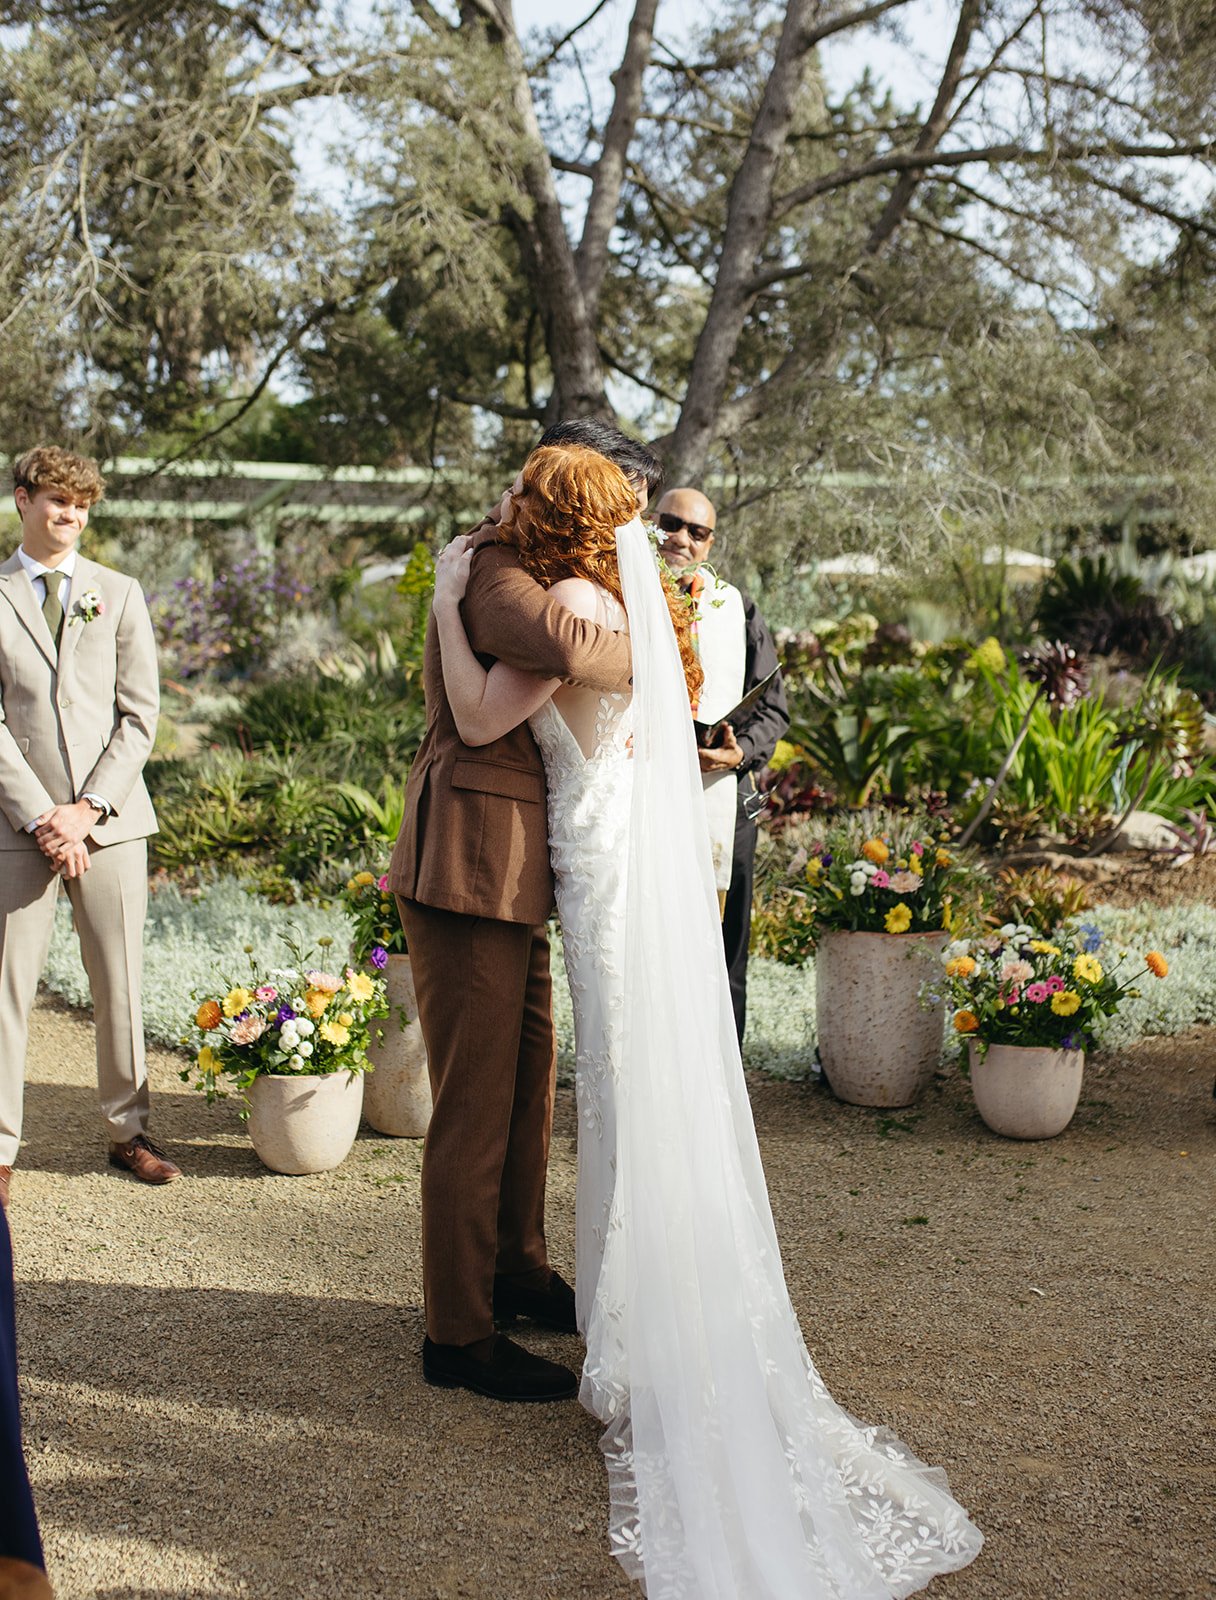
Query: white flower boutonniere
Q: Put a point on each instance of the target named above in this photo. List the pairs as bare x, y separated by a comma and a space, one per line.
89, 607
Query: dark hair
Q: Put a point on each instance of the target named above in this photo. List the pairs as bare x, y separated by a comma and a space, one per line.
635, 459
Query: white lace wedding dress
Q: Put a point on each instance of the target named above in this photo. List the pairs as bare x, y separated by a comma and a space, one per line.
733, 1475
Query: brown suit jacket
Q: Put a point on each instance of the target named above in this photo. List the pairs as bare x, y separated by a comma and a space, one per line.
475, 837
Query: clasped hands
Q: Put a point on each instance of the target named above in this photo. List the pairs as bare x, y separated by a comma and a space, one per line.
61, 832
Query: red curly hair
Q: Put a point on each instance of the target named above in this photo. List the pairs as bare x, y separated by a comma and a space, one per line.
564, 525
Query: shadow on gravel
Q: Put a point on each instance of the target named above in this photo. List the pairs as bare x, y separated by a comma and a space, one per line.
64, 1133
283, 1437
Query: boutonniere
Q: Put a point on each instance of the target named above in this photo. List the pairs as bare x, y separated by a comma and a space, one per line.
89, 607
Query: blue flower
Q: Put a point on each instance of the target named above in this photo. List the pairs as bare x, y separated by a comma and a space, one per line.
379, 958
1093, 938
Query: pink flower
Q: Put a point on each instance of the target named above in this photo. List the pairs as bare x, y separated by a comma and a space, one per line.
1012, 998
382, 883
323, 981
880, 880
266, 991
1055, 984
1037, 992
905, 882
918, 849
1016, 972
247, 1030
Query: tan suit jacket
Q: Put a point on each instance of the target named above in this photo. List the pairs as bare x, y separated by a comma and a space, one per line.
475, 838
80, 720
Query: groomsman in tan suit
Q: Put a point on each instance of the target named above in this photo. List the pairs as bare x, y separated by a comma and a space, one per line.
79, 696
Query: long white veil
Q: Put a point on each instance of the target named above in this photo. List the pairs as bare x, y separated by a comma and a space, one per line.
733, 1473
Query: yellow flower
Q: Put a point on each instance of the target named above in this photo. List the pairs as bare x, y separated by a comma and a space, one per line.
358, 985
345, 1018
1065, 1003
944, 858
947, 916
208, 1015
207, 1061
876, 851
898, 919
814, 870
916, 865
966, 1022
350, 884
1042, 948
960, 967
1156, 963
364, 878
316, 1000
335, 1033
236, 1001
988, 657
1088, 969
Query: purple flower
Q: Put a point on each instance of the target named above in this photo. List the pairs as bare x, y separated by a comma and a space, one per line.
1093, 938
826, 858
284, 1014
379, 958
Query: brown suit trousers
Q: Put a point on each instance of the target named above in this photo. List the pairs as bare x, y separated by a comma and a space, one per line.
484, 1004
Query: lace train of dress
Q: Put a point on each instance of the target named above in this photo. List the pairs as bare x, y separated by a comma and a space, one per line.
733, 1475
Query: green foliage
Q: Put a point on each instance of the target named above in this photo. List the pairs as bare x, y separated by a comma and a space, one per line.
1101, 608
1039, 896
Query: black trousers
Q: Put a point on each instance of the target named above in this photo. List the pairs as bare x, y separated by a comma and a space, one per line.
737, 922
18, 1524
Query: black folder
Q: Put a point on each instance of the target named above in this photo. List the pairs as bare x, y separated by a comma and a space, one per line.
708, 733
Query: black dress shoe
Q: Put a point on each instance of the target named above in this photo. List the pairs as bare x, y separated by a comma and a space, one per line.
509, 1373
552, 1307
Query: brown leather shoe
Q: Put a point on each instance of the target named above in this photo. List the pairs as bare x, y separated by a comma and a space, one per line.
6, 1177
140, 1156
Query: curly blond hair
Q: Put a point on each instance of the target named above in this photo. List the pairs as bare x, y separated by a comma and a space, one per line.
564, 526
49, 467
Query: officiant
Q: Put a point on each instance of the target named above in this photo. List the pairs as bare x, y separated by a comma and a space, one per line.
738, 656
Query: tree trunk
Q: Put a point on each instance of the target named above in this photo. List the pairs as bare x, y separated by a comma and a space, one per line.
747, 218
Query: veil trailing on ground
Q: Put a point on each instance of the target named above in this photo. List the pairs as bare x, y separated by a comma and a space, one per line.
733, 1473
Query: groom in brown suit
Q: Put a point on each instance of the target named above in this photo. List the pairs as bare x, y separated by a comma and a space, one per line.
474, 886
79, 695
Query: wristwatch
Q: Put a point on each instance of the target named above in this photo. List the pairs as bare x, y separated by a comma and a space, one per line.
96, 805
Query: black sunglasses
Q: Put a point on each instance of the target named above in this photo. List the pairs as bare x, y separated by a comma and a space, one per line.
696, 532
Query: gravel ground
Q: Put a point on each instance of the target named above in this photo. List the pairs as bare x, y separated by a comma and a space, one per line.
222, 1387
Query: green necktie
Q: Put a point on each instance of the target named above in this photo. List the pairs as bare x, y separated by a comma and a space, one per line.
52, 606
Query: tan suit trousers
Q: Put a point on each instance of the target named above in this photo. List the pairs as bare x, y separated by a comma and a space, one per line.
109, 905
484, 1004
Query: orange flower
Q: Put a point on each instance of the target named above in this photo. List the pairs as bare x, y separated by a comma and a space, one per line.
208, 1015
316, 1000
876, 851
966, 1022
960, 967
1156, 963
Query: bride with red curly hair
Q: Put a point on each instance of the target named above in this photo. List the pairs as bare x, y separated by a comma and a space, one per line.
732, 1473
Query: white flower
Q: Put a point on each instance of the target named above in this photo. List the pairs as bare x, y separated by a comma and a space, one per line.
296, 1062
857, 884
305, 1026
305, 1049
1008, 930
955, 949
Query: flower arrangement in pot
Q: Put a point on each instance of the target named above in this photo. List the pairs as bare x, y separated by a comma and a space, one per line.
293, 1041
884, 891
1027, 1004
397, 1096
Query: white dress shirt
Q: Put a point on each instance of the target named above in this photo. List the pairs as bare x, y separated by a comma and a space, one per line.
37, 571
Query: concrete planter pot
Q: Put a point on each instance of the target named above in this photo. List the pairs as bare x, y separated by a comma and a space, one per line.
306, 1124
1023, 1092
397, 1095
877, 1044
